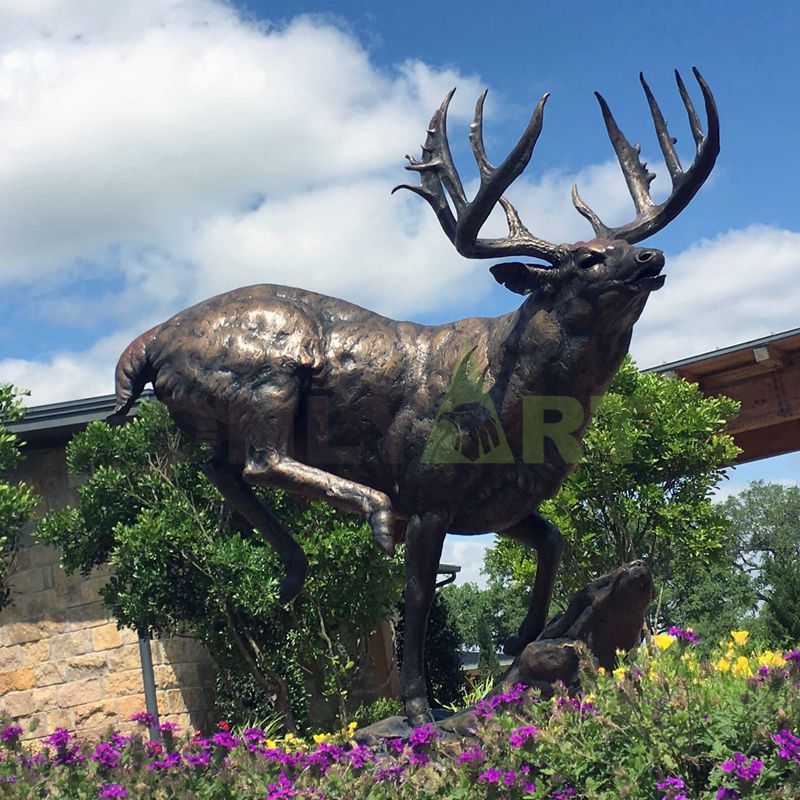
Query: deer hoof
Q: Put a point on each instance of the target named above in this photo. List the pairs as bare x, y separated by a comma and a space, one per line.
382, 524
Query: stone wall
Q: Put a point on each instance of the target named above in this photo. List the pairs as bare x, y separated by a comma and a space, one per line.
63, 662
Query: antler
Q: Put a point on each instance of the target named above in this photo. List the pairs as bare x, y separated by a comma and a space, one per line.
651, 218
439, 178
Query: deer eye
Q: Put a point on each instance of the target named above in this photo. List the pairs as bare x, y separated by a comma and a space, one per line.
591, 260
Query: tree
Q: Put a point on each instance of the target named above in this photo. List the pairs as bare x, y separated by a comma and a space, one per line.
182, 562
17, 500
497, 610
653, 454
765, 522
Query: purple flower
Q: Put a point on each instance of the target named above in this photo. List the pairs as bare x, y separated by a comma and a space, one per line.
563, 794
106, 756
726, 793
742, 768
67, 752
419, 758
10, 734
485, 708
325, 755
581, 706
118, 741
201, 742
423, 736
492, 775
472, 755
684, 634
198, 759
169, 761
60, 737
390, 773
283, 788
671, 785
226, 740
792, 656
169, 727
519, 736
789, 745
671, 782
144, 718
112, 790
360, 756
254, 735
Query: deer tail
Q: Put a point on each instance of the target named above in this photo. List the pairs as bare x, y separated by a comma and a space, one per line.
134, 370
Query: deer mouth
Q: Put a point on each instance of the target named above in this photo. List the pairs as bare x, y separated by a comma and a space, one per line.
649, 278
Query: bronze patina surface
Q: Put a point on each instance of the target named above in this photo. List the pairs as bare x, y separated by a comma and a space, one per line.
422, 429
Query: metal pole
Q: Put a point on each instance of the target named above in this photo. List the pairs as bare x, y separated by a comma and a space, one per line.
148, 678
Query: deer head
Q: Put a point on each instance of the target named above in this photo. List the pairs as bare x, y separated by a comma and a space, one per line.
608, 268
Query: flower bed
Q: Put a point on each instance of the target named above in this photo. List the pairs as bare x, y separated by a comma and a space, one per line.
664, 725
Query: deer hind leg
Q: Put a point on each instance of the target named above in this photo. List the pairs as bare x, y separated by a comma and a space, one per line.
270, 467
424, 540
228, 480
546, 539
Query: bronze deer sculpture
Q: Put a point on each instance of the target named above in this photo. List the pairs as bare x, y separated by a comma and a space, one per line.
279, 379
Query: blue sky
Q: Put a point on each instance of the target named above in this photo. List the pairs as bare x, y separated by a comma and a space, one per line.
156, 152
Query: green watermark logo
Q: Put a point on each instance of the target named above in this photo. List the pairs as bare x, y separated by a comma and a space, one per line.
467, 429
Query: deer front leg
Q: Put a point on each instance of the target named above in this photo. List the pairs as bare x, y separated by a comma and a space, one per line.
424, 540
546, 539
270, 467
228, 480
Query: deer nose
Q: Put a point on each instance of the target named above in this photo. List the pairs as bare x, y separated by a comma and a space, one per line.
645, 255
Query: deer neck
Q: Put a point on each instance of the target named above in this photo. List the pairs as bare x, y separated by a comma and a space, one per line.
559, 348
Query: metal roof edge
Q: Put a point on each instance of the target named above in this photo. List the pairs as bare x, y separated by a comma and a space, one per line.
66, 414
722, 351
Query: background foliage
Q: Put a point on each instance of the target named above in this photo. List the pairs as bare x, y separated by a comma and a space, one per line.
17, 500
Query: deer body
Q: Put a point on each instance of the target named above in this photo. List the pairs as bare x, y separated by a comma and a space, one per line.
315, 395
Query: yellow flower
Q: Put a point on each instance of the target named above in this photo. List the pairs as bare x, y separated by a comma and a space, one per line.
723, 665
691, 661
351, 728
271, 744
770, 658
742, 667
601, 670
740, 637
589, 698
290, 740
619, 673
319, 738
663, 641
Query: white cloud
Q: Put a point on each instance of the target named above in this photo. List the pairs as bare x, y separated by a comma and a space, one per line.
738, 286
68, 375
142, 140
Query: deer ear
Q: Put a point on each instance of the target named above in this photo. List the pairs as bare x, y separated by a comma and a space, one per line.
518, 277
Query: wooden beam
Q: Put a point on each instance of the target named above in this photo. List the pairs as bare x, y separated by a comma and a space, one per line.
773, 440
